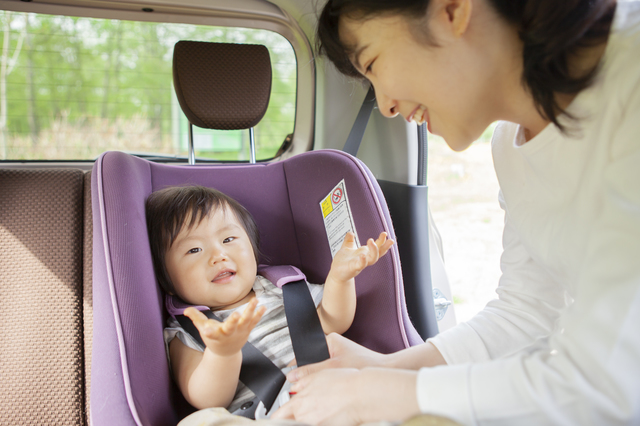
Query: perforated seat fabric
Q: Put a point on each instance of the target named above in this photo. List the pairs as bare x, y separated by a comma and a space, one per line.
129, 367
41, 338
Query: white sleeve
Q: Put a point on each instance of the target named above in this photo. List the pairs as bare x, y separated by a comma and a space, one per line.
589, 370
529, 304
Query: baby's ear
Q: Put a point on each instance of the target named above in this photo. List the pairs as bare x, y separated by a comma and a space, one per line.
168, 291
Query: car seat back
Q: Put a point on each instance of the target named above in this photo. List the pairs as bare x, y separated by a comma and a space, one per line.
130, 368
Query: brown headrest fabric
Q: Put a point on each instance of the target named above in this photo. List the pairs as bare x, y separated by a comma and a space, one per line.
222, 85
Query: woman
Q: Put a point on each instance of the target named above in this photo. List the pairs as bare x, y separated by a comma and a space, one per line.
561, 344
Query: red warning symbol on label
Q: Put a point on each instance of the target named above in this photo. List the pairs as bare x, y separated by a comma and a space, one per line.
336, 196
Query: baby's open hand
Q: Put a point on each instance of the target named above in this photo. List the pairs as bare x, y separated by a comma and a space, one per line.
350, 260
228, 337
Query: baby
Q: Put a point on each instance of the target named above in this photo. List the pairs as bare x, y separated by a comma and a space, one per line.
205, 249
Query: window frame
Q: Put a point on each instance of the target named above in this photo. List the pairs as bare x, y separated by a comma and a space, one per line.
254, 14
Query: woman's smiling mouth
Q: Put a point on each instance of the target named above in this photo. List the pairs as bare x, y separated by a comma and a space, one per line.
419, 115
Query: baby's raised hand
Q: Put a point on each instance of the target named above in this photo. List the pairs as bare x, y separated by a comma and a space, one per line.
350, 260
228, 337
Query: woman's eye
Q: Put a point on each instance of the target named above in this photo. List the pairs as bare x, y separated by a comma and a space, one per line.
369, 67
194, 250
228, 239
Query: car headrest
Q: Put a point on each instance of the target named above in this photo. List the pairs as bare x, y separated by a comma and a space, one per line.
222, 86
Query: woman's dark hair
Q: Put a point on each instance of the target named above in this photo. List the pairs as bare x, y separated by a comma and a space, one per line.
553, 34
328, 39
171, 209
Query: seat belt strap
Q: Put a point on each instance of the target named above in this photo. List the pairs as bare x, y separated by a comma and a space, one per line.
423, 154
360, 125
357, 131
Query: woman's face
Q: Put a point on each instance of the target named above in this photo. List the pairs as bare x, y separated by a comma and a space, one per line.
448, 86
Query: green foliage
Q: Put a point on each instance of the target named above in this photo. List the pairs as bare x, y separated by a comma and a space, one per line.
84, 71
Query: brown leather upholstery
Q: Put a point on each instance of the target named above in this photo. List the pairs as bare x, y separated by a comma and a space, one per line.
41, 307
221, 85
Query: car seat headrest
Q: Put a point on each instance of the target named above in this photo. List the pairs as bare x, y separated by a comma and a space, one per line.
222, 86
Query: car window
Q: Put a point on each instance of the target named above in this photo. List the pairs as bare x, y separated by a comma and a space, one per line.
72, 88
463, 199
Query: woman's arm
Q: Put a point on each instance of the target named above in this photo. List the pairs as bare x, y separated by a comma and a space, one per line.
528, 305
345, 353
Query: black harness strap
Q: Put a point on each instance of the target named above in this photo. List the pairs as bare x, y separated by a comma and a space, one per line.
258, 373
308, 339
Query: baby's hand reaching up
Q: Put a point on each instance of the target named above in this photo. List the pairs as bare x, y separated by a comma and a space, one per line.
227, 338
350, 260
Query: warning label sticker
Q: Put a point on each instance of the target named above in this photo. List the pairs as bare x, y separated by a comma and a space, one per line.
338, 219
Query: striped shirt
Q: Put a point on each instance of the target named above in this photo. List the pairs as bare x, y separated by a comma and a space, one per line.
270, 336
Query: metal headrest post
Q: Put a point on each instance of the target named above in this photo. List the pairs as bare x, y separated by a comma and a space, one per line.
252, 145
192, 150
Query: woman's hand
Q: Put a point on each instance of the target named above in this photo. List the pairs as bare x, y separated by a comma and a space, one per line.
343, 353
226, 338
352, 397
319, 392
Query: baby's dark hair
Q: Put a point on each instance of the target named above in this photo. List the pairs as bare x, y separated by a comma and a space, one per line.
553, 33
171, 209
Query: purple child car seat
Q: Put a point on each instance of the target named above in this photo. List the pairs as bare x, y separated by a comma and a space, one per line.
131, 382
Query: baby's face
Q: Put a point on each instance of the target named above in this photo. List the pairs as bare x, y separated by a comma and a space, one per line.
213, 264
